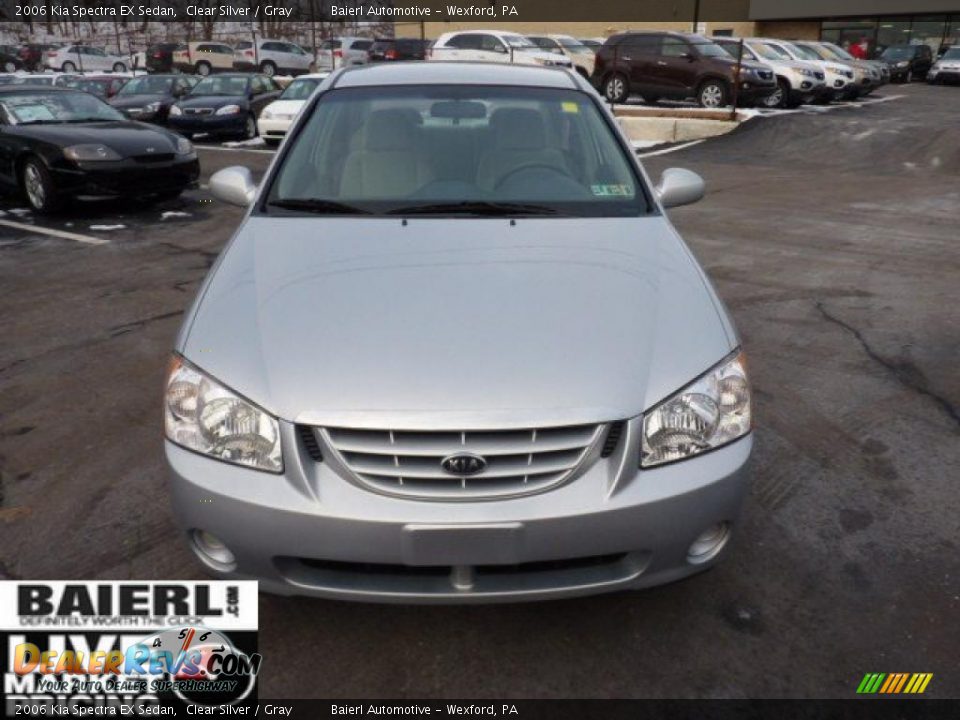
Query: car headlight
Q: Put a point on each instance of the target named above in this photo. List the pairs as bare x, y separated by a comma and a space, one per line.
903, 63
712, 411
202, 415
184, 146
175, 110
803, 71
90, 152
152, 107
228, 110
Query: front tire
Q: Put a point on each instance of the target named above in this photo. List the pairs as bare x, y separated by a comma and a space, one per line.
268, 68
37, 185
780, 98
615, 89
68, 67
202, 69
250, 128
713, 94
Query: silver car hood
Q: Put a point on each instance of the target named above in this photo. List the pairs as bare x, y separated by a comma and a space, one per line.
463, 323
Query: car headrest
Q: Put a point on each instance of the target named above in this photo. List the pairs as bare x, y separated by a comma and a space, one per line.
390, 130
518, 129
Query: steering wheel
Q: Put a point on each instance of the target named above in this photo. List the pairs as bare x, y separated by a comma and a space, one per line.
533, 165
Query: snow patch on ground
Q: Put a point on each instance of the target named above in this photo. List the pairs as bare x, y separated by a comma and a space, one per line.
107, 227
252, 142
644, 144
20, 212
173, 214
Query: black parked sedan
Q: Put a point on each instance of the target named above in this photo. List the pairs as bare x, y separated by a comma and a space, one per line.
149, 97
57, 143
227, 104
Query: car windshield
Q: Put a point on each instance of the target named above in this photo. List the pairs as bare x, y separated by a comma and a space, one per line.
91, 86
573, 45
708, 48
147, 85
457, 150
232, 86
837, 52
898, 52
770, 52
807, 52
733, 50
519, 41
952, 54
43, 108
300, 89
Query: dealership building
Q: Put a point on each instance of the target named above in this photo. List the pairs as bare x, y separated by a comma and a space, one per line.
876, 24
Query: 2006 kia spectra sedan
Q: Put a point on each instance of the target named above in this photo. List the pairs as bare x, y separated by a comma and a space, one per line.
457, 352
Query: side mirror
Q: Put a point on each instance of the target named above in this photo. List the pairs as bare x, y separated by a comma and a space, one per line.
677, 187
233, 185
501, 49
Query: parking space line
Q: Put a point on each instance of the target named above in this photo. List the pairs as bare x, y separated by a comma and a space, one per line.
233, 149
669, 149
63, 234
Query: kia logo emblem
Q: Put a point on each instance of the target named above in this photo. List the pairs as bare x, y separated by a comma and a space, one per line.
463, 464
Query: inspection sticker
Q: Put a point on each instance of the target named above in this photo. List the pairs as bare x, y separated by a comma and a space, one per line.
570, 107
612, 190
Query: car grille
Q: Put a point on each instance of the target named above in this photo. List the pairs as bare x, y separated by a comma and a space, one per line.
197, 111
518, 462
154, 157
818, 75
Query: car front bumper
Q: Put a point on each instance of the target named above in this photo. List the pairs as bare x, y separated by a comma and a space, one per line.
127, 178
274, 128
750, 91
213, 124
311, 531
944, 76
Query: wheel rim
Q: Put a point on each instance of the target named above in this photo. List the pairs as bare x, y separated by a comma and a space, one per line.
774, 99
711, 96
33, 183
909, 75
9, 67
69, 67
251, 128
615, 89
269, 70
203, 70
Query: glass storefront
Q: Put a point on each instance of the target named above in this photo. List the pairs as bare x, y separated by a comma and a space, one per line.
868, 37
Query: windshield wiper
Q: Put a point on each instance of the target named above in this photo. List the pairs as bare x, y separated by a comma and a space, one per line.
476, 207
318, 206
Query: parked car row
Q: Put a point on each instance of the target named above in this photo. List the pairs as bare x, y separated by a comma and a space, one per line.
765, 71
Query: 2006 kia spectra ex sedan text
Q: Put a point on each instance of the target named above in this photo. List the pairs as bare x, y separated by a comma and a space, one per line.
456, 352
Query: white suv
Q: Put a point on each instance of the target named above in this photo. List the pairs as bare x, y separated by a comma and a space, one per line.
493, 46
798, 81
271, 57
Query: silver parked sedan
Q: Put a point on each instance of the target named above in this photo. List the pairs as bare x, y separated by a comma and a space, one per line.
457, 352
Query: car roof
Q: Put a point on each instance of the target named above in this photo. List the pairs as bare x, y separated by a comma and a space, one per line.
454, 73
46, 88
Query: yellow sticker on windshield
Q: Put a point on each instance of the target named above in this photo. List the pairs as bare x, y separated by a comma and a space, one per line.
570, 107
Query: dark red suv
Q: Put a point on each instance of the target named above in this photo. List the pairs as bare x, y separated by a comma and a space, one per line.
677, 66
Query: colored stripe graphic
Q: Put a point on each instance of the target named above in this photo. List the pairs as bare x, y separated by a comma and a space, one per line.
894, 683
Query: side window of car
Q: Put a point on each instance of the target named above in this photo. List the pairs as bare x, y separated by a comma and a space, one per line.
636, 45
490, 43
465, 42
674, 47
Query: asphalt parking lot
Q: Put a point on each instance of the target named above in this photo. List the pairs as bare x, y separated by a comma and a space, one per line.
832, 237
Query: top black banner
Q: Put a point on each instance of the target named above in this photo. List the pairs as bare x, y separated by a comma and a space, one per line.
375, 11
